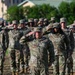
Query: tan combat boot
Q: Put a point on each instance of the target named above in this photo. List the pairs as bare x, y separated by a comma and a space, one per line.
13, 73
22, 70
16, 73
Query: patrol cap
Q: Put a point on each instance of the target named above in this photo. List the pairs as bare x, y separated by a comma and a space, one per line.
35, 20
45, 19
41, 19
37, 29
56, 25
62, 20
52, 18
31, 20
22, 21
14, 22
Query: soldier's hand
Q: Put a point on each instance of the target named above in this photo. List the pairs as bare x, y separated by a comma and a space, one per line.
30, 33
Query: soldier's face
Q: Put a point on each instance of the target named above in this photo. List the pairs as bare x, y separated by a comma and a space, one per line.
56, 30
31, 24
62, 25
22, 25
15, 26
37, 35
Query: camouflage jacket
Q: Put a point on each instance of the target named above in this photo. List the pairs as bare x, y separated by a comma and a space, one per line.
60, 42
71, 39
14, 37
39, 49
4, 39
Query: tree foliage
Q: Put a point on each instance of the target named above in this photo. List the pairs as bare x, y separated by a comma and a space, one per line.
65, 9
14, 13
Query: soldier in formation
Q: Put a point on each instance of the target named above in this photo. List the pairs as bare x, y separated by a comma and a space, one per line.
3, 45
36, 45
59, 41
70, 36
39, 47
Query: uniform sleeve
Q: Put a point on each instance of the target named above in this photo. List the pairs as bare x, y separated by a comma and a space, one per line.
5, 40
67, 44
22, 40
71, 41
51, 52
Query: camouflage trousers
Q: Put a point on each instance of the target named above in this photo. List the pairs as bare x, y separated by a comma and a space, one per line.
69, 65
14, 59
2, 55
24, 60
59, 65
38, 71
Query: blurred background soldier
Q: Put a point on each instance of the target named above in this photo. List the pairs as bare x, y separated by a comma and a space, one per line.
40, 22
72, 28
53, 20
46, 22
35, 22
3, 45
39, 48
31, 23
69, 34
14, 48
59, 41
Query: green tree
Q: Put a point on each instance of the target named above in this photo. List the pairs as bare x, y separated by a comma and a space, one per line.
45, 11
72, 12
64, 9
14, 13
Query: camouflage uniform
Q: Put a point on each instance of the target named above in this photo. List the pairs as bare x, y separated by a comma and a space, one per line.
3, 47
39, 49
53, 20
14, 48
46, 22
40, 22
24, 52
71, 44
35, 22
60, 42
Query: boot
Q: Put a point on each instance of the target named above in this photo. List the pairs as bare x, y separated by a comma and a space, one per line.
16, 73
22, 70
13, 73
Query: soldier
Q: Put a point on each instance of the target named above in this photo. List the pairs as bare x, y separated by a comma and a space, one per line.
39, 48
52, 20
59, 41
31, 23
3, 45
72, 28
69, 34
24, 52
46, 22
14, 48
40, 23
35, 22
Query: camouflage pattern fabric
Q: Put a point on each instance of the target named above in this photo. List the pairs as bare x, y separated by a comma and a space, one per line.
38, 62
14, 49
60, 42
